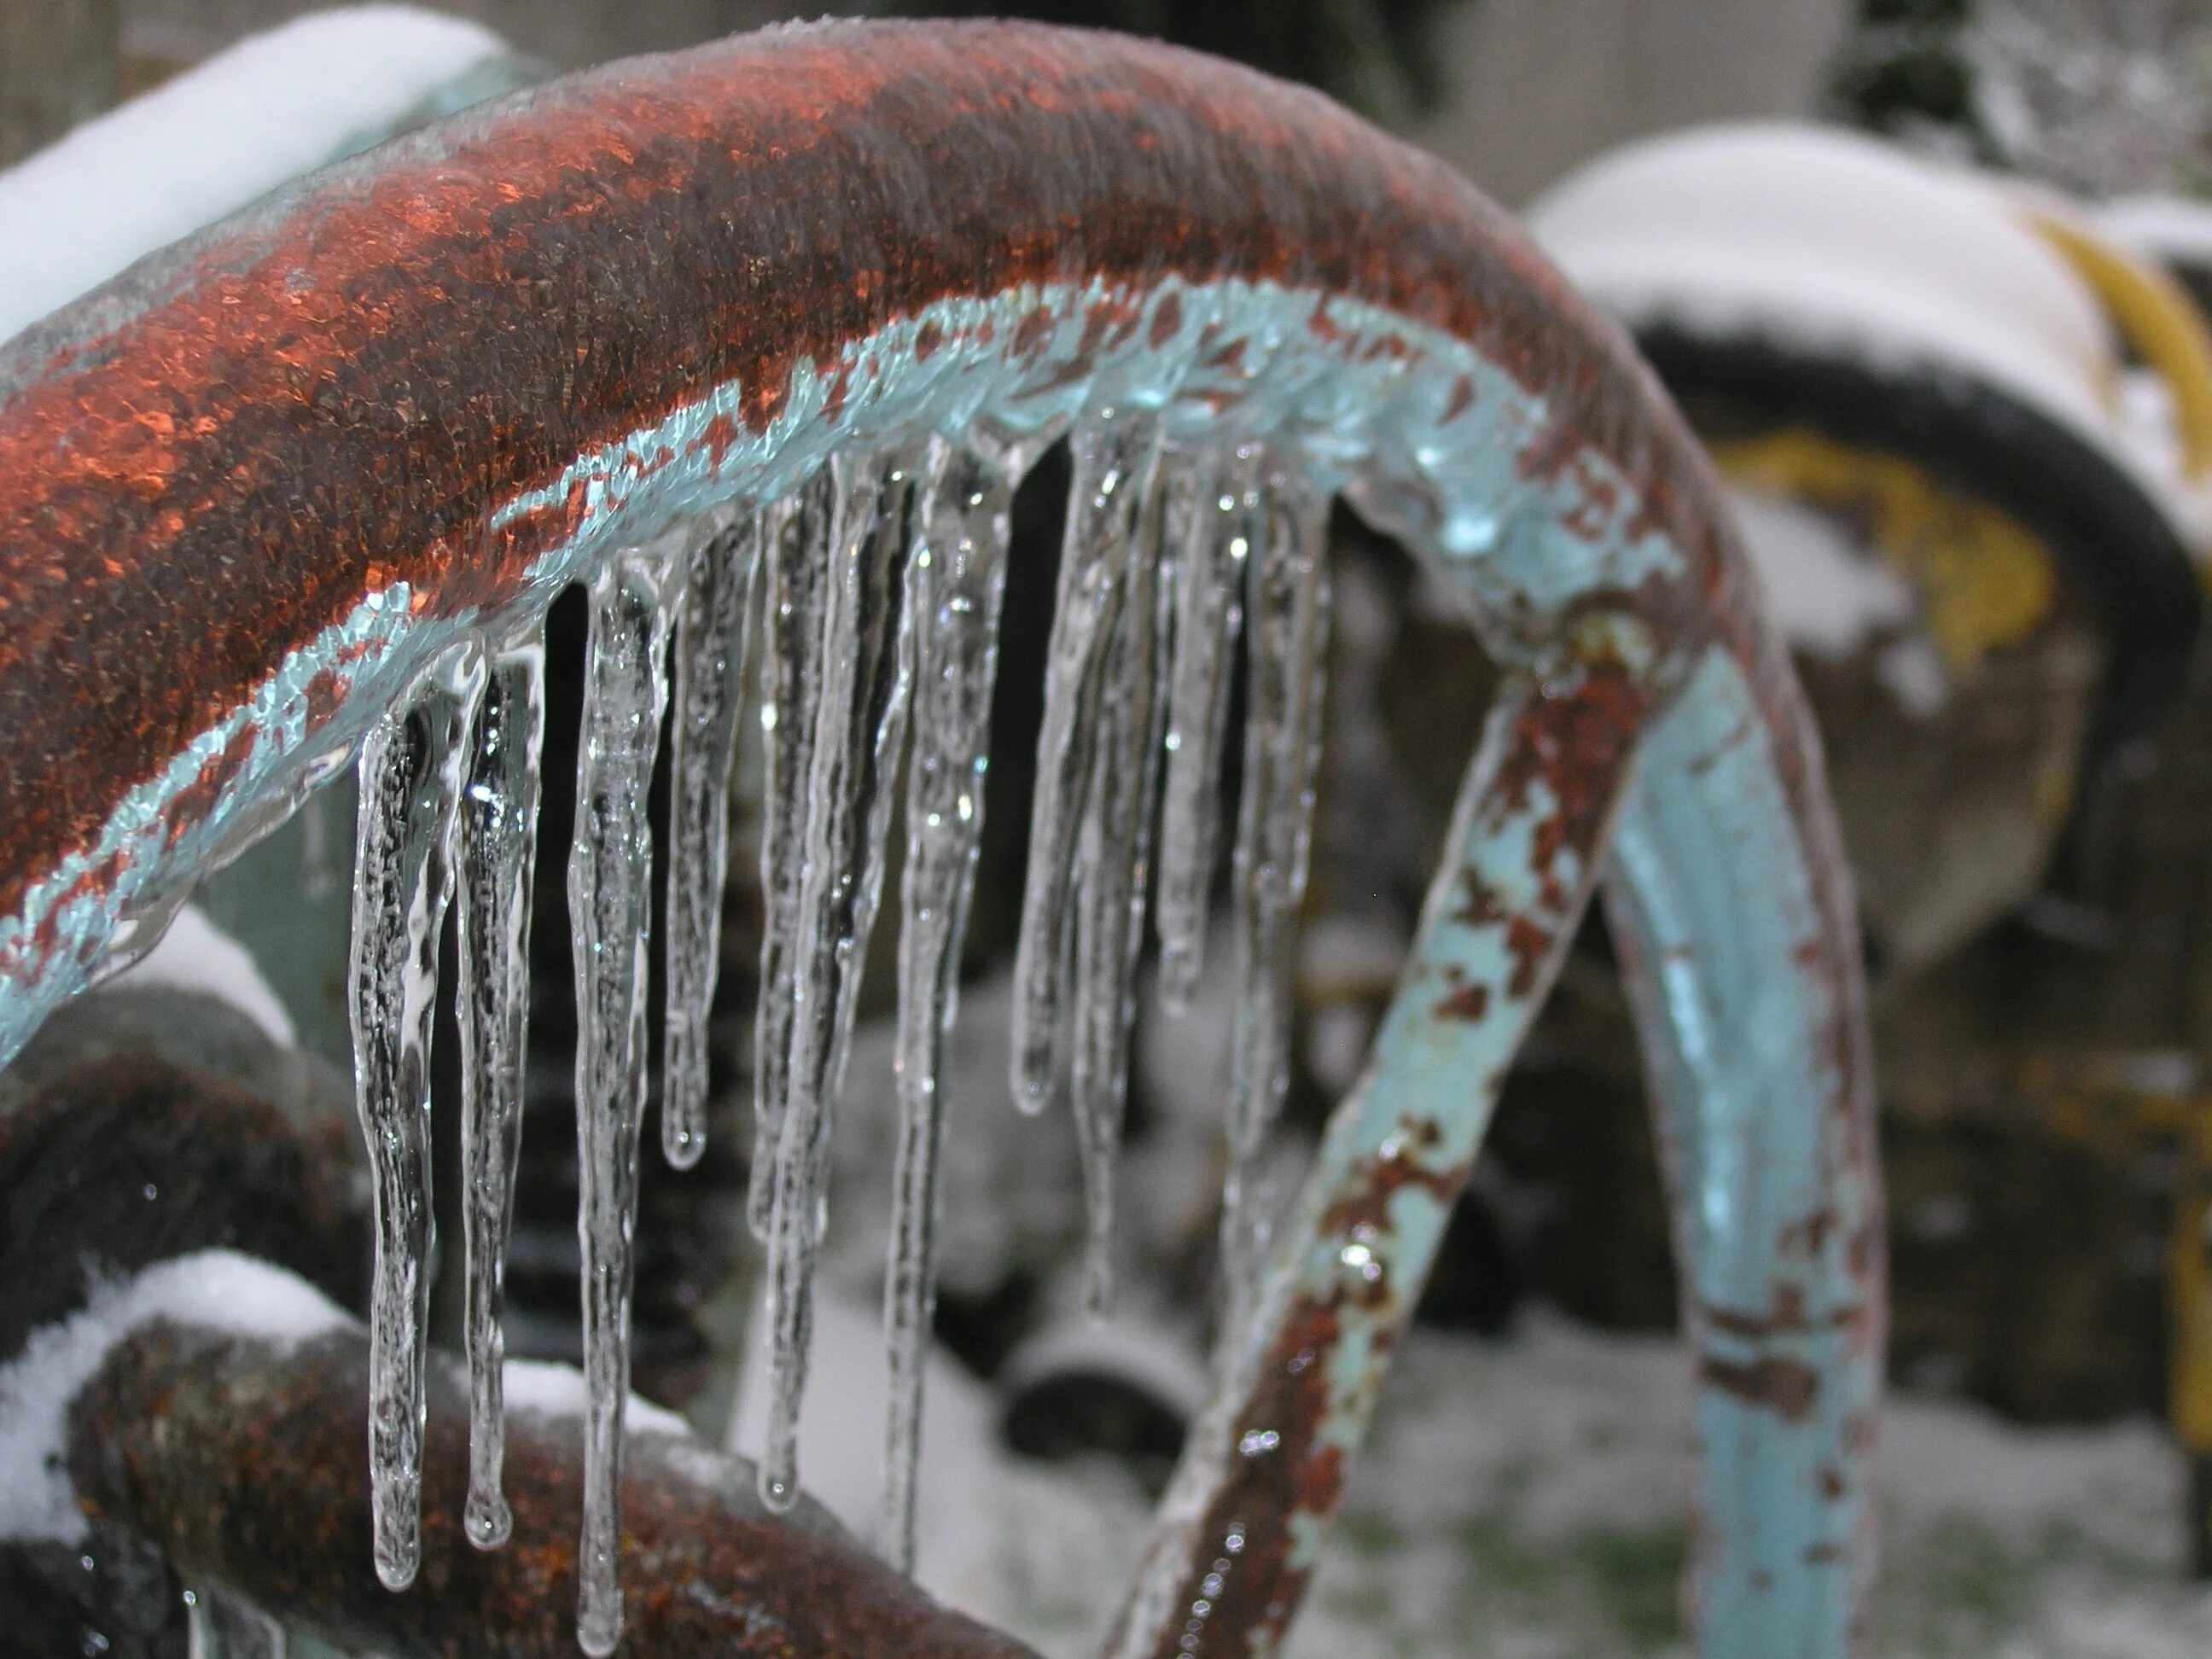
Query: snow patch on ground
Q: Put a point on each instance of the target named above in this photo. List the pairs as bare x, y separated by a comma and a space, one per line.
840, 1445
1157, 1358
217, 1289
1526, 1500
196, 954
214, 139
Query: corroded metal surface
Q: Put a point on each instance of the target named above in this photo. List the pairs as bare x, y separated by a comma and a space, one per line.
242, 1458
291, 461
350, 390
1246, 1516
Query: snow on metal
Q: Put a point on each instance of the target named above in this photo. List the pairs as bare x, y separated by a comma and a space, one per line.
224, 132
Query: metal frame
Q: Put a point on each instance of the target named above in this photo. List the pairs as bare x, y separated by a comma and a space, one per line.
249, 491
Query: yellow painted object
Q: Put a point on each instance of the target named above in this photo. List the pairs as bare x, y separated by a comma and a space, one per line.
2188, 1283
2156, 315
2167, 330
1984, 582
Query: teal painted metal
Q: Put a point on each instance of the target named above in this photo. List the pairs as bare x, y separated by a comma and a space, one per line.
1733, 930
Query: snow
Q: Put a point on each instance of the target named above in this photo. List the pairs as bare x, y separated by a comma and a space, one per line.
1833, 242
214, 139
841, 1443
1528, 1499
1009, 1181
547, 1389
2173, 228
215, 1289
1832, 597
196, 954
1828, 594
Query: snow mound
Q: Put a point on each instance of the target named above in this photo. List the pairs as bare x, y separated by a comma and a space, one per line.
217, 1289
546, 1389
840, 1444
1835, 244
2176, 229
196, 954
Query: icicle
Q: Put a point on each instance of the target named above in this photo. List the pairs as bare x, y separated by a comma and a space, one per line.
956, 587
1113, 872
709, 690
411, 779
610, 912
1214, 520
1286, 608
796, 544
498, 855
864, 668
1115, 460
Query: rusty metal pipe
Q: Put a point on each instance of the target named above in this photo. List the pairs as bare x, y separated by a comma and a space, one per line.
240, 1456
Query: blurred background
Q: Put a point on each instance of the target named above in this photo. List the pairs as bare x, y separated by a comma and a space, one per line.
1928, 277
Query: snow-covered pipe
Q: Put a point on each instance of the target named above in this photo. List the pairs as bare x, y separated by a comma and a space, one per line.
1898, 305
225, 132
1833, 244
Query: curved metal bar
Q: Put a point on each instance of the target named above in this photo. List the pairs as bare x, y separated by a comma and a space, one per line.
1733, 919
1734, 915
240, 1455
295, 459
296, 448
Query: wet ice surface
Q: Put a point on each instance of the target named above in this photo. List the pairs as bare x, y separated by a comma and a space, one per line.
709, 680
411, 767
1212, 524
1287, 621
609, 878
498, 830
796, 551
1116, 461
957, 585
1112, 873
860, 721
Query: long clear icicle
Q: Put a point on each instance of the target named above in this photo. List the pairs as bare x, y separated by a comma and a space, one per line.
610, 913
1116, 455
796, 549
957, 588
498, 855
862, 677
1113, 871
709, 692
411, 780
1214, 521
1286, 607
